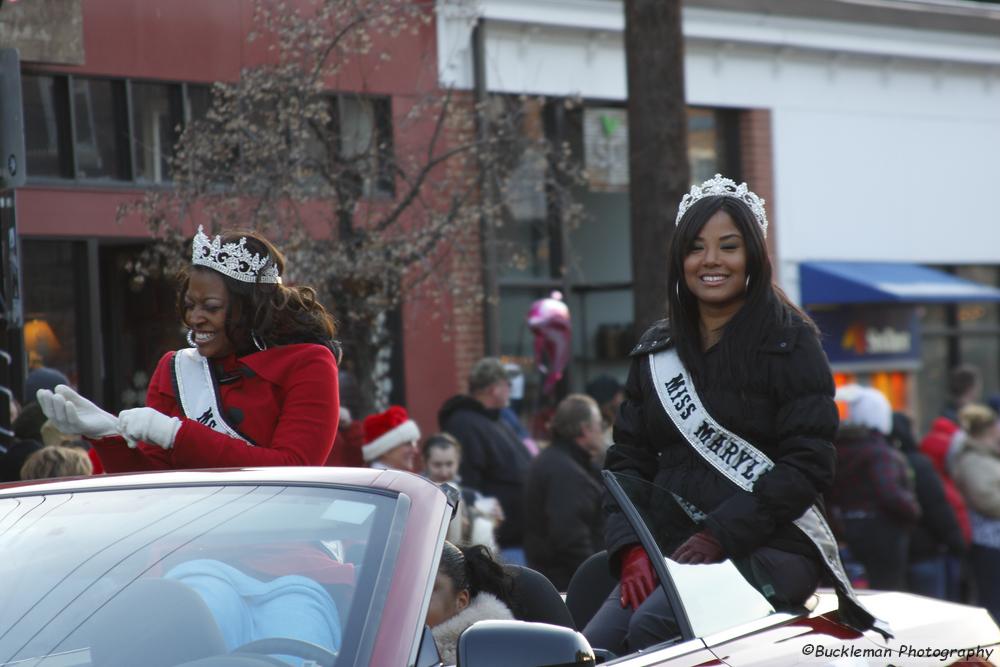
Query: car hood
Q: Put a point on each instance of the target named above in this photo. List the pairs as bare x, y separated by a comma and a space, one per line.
923, 629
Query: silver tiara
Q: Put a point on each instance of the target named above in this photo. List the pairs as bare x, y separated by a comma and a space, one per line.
233, 259
724, 187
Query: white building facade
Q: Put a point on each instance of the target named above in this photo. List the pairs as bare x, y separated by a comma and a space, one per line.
884, 127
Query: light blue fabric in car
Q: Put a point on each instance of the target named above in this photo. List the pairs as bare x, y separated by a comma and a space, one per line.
248, 609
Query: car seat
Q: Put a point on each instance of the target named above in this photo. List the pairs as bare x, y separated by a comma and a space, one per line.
589, 588
535, 599
153, 623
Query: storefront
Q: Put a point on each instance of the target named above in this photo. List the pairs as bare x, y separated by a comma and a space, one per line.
877, 326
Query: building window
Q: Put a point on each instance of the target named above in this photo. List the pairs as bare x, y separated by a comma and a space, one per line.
101, 129
52, 315
591, 260
156, 119
197, 101
114, 130
365, 136
954, 334
48, 140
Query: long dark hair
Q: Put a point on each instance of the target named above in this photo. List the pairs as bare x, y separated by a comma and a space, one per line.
765, 304
276, 314
473, 567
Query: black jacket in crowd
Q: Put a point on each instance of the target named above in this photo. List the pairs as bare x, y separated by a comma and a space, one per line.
494, 460
563, 515
786, 410
938, 531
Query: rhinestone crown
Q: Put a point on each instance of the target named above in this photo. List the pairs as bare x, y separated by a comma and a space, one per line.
233, 259
725, 187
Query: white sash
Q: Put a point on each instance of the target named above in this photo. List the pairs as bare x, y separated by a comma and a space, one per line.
743, 464
196, 392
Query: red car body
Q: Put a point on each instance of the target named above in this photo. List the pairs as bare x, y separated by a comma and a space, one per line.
383, 623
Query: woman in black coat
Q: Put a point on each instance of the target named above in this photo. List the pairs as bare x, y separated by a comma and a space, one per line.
755, 361
936, 544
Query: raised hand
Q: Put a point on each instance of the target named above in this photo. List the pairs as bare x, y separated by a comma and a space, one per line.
73, 414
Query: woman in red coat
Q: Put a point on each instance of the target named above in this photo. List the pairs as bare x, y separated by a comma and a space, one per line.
257, 387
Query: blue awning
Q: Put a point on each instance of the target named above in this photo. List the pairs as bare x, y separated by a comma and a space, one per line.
885, 282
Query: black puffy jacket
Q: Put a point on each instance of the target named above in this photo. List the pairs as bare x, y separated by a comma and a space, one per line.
786, 410
494, 460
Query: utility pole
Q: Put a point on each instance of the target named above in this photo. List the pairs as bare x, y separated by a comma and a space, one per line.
659, 174
12, 176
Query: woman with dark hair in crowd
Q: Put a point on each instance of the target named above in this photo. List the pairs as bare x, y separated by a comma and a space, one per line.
257, 387
470, 586
729, 409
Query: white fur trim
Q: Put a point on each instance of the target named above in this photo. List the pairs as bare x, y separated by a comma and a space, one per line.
405, 432
483, 607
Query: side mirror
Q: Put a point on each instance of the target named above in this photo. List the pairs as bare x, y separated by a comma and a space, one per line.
520, 644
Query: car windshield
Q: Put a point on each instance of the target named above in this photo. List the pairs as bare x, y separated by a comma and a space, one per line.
712, 597
111, 577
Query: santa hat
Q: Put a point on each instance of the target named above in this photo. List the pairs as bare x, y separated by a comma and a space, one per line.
386, 430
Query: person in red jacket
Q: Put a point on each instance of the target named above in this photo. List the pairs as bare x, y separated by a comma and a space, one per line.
257, 387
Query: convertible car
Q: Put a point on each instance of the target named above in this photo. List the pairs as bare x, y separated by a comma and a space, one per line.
326, 566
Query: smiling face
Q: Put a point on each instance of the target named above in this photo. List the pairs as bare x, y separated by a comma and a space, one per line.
205, 306
715, 267
400, 457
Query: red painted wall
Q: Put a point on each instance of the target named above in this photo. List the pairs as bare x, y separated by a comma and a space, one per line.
203, 41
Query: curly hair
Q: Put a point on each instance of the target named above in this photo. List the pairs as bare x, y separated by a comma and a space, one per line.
273, 313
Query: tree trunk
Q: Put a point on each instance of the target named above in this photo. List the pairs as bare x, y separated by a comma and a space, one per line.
658, 163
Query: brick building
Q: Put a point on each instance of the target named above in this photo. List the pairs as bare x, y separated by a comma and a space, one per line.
823, 107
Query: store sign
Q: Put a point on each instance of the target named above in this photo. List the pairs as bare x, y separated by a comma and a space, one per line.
853, 334
605, 148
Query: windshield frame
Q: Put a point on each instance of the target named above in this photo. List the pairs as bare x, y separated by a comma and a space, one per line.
753, 611
648, 543
362, 625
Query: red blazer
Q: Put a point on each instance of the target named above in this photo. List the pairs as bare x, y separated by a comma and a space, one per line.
285, 399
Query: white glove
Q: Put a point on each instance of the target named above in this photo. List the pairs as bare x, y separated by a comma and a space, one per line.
148, 425
72, 414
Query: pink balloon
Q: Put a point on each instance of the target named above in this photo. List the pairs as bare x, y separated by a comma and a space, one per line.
549, 321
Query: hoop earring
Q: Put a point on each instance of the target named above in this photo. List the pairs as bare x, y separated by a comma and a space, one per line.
257, 341
677, 289
748, 283
190, 338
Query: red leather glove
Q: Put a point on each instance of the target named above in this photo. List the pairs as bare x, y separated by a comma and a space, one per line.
638, 578
699, 548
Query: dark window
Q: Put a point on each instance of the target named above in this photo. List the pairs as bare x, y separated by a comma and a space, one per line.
52, 294
46, 126
156, 117
953, 334
365, 125
542, 248
101, 124
197, 102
